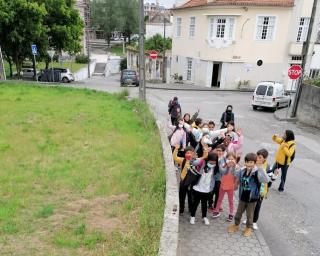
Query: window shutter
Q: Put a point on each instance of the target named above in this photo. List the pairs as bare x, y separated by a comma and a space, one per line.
259, 28
231, 29
271, 27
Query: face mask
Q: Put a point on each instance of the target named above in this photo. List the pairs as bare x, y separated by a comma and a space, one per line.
228, 161
180, 125
205, 130
211, 165
229, 110
187, 157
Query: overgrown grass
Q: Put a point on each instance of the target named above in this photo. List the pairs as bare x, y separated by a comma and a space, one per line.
64, 156
117, 50
315, 81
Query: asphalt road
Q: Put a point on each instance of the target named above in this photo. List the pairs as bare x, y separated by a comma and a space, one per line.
290, 222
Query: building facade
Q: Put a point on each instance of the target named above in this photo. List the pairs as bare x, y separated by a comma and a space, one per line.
231, 43
83, 6
158, 23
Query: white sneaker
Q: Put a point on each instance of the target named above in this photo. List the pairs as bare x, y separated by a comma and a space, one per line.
206, 221
244, 222
255, 226
192, 220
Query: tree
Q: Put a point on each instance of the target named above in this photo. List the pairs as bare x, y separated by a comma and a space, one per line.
129, 17
106, 16
158, 43
64, 27
21, 24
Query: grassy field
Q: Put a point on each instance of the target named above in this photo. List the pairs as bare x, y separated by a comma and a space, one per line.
117, 50
74, 67
81, 173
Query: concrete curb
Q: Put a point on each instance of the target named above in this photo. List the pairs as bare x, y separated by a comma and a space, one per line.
199, 89
170, 229
263, 243
279, 117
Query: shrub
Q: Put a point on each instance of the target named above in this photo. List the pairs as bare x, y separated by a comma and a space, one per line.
123, 64
82, 59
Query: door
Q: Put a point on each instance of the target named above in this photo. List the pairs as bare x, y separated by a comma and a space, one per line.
215, 75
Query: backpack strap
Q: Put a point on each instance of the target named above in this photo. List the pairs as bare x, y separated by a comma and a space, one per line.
183, 163
286, 157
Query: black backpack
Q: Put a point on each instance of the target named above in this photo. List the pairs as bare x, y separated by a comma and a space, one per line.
293, 155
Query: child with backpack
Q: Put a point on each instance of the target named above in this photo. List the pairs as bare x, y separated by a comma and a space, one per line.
262, 163
201, 191
227, 186
189, 173
284, 156
249, 179
179, 136
220, 151
174, 110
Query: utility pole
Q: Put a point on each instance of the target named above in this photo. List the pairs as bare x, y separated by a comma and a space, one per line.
142, 82
305, 52
164, 49
87, 19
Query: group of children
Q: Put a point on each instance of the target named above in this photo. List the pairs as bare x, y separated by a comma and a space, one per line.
209, 161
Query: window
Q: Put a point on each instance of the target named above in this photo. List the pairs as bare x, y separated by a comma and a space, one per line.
178, 26
189, 69
296, 57
192, 26
314, 73
221, 27
270, 91
265, 27
261, 90
303, 29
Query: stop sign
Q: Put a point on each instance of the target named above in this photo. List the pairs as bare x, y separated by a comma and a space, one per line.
294, 72
153, 55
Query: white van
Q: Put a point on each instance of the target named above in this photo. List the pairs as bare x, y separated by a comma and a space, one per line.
270, 95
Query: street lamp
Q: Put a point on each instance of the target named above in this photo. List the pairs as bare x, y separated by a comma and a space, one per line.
51, 54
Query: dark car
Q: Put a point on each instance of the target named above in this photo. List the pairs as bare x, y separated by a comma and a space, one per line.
129, 77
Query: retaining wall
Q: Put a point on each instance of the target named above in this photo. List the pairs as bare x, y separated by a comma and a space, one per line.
308, 111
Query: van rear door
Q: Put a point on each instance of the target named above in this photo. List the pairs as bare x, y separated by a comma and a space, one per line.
261, 92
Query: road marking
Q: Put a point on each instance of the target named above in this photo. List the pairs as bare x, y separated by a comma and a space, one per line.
301, 231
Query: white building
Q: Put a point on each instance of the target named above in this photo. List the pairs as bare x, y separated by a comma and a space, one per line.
158, 23
226, 43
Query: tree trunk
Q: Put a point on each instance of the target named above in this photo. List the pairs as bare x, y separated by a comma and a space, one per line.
10, 67
47, 64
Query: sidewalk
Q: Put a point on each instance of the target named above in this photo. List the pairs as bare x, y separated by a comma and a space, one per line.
283, 114
187, 87
201, 240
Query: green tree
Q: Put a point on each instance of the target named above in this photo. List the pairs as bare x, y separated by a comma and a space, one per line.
106, 16
21, 24
64, 27
129, 17
158, 43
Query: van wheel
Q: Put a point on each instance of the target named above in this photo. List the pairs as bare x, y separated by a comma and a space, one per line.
254, 107
65, 80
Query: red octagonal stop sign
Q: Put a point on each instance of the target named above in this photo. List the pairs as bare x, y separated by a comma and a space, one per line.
295, 72
153, 55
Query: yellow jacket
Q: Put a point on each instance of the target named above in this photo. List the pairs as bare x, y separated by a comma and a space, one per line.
179, 160
284, 152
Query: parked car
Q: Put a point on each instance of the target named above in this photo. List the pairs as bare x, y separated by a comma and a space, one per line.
270, 95
66, 75
129, 77
28, 73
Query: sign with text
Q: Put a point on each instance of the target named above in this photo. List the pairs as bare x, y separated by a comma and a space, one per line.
294, 72
153, 55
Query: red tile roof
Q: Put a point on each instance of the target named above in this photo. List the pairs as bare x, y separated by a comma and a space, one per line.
201, 3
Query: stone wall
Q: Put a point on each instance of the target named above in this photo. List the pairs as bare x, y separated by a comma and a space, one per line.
309, 106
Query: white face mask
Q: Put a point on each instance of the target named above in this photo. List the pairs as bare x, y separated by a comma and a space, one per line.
205, 130
211, 165
180, 125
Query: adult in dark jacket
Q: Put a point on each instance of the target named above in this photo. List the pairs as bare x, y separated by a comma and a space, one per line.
226, 117
174, 110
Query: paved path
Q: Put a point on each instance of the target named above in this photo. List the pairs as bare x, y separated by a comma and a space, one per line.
202, 240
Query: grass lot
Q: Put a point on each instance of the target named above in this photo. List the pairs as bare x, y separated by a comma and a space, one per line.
116, 50
74, 67
81, 173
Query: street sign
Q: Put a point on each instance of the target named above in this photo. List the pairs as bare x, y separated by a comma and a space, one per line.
153, 55
294, 72
34, 49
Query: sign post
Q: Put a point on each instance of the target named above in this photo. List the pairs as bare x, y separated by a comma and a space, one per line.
34, 53
51, 54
